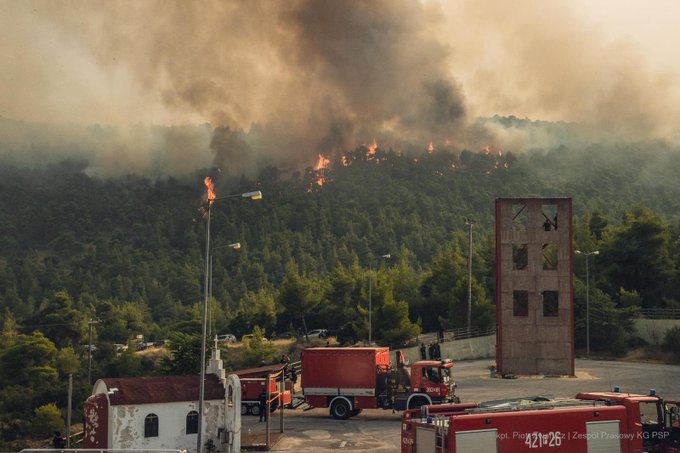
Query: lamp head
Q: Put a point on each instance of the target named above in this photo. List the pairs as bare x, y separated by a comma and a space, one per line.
256, 195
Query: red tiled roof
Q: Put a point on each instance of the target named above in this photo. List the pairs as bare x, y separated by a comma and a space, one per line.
161, 389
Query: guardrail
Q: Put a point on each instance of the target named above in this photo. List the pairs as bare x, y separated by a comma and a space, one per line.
454, 334
463, 333
660, 313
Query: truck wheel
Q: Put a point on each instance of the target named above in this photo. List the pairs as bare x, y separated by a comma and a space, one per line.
340, 409
415, 403
356, 411
244, 409
255, 409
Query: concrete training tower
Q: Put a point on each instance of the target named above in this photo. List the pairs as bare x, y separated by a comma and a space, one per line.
534, 287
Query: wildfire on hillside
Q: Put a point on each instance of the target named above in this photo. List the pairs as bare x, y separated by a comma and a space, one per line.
488, 159
371, 149
319, 171
322, 163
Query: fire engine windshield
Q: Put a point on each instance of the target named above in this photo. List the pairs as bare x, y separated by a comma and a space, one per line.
437, 375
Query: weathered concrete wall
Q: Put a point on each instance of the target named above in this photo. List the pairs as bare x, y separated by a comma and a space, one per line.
127, 427
535, 337
653, 330
471, 348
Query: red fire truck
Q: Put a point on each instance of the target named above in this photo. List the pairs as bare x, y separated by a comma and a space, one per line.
611, 422
347, 380
252, 387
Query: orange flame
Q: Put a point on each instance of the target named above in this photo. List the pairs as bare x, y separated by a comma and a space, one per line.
371, 148
487, 149
210, 193
430, 148
322, 163
344, 161
321, 166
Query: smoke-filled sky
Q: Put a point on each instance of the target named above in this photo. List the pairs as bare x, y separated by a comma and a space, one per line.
284, 80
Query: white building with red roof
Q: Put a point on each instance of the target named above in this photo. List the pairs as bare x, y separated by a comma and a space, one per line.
158, 412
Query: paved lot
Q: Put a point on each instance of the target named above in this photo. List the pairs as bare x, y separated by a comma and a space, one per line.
378, 430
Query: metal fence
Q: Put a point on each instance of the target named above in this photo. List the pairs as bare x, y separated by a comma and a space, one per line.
454, 334
660, 313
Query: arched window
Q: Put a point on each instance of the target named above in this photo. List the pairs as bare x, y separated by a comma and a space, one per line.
192, 422
151, 425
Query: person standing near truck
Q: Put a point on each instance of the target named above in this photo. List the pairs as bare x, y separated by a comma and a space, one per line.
263, 406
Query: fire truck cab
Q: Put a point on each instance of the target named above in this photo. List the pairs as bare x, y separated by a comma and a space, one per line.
425, 382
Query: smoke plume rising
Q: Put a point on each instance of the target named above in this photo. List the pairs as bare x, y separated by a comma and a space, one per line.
281, 81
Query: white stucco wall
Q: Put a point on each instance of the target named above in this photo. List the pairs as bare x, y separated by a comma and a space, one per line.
127, 425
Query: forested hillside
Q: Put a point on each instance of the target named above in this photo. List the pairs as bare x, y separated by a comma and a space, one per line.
128, 253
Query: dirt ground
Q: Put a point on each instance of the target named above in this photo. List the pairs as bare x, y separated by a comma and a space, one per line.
378, 430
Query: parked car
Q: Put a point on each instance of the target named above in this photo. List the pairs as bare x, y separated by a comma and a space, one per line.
119, 347
249, 336
284, 336
317, 333
227, 338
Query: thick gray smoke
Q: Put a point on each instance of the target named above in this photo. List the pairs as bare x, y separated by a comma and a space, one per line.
280, 81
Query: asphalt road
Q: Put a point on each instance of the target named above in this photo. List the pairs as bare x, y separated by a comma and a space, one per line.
378, 430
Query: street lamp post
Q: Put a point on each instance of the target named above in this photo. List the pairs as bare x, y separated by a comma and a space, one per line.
587, 255
256, 195
469, 222
233, 246
370, 288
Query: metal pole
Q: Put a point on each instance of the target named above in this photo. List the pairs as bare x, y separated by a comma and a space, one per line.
210, 298
201, 391
89, 353
267, 413
587, 308
370, 285
469, 314
282, 389
68, 411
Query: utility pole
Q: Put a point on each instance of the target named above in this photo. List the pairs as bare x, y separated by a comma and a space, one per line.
469, 222
370, 308
68, 411
89, 350
370, 297
587, 255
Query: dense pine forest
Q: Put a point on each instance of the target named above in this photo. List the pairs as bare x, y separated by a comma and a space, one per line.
126, 256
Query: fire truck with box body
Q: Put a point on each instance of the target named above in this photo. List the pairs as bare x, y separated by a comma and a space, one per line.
347, 380
252, 387
610, 422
